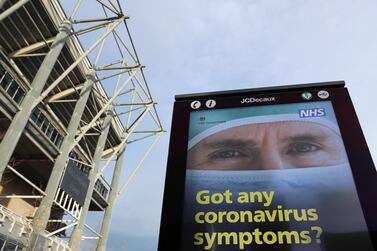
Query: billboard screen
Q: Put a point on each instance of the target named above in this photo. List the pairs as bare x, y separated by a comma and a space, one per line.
266, 172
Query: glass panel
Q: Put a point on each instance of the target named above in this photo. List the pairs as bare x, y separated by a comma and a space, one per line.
2, 75
7, 81
12, 88
53, 135
35, 114
48, 129
10, 247
44, 125
59, 141
19, 95
2, 71
40, 120
2, 242
293, 152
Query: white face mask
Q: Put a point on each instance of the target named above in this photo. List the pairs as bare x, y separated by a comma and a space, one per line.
330, 190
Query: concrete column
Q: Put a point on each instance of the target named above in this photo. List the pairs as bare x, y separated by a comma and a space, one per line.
105, 229
20, 120
75, 240
42, 214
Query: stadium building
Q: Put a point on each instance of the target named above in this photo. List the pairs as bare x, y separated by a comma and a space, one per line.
73, 102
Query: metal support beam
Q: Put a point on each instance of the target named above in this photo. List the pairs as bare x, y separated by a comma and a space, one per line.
91, 20
64, 93
105, 229
125, 136
112, 68
91, 125
42, 214
61, 229
26, 180
107, 153
11, 9
105, 107
111, 27
31, 48
76, 236
14, 132
137, 167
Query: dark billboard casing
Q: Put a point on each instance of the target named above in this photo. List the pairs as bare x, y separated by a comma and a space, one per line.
281, 168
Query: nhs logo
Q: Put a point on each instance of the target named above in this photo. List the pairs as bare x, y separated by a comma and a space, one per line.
314, 112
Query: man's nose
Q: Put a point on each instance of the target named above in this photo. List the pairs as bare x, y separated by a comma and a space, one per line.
271, 158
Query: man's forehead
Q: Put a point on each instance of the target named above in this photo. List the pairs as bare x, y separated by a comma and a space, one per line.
280, 130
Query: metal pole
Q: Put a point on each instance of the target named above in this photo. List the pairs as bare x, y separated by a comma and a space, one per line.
105, 229
74, 242
137, 167
11, 9
20, 120
42, 214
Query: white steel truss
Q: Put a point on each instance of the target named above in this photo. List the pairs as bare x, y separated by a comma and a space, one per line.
120, 86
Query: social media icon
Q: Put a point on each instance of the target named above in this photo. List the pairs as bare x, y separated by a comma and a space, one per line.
195, 104
323, 94
307, 95
210, 103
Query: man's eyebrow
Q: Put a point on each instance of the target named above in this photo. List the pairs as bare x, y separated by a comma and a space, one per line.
307, 137
231, 143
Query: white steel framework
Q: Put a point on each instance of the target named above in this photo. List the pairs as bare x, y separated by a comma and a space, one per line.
81, 97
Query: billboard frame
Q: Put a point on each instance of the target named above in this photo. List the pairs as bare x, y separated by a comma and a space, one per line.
356, 147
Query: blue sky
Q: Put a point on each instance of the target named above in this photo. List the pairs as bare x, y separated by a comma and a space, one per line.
207, 45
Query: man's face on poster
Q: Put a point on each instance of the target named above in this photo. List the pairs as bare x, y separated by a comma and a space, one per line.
277, 145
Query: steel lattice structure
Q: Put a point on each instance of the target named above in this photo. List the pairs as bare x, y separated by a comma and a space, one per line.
73, 98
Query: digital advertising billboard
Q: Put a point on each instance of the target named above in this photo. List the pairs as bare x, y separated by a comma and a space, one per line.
283, 168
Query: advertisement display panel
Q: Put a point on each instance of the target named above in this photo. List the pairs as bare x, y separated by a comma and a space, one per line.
272, 171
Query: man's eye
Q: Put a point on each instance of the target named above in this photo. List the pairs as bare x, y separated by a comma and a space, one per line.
302, 148
227, 154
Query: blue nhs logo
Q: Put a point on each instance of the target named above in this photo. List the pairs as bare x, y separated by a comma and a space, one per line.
314, 112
